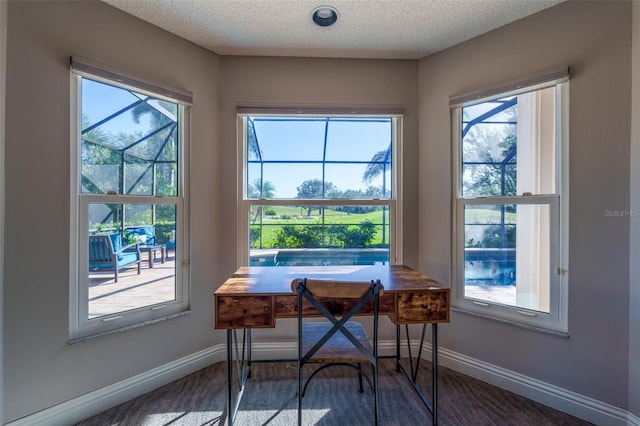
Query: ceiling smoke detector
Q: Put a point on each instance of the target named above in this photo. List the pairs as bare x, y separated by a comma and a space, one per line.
324, 15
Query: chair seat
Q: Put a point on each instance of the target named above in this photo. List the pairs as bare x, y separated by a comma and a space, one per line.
338, 347
124, 259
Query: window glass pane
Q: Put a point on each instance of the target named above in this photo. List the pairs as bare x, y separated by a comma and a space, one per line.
357, 140
319, 157
101, 168
138, 176
509, 146
507, 254
125, 135
290, 139
378, 185
94, 112
253, 150
489, 148
291, 180
130, 266
316, 235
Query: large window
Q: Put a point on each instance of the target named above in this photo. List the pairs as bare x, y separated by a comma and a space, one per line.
319, 189
128, 203
510, 242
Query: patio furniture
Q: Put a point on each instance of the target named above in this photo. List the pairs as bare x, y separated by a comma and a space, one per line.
106, 252
151, 249
144, 234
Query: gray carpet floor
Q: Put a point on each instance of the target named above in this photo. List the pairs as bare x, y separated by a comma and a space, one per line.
332, 399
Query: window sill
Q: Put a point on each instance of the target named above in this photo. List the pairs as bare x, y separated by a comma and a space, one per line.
529, 327
81, 339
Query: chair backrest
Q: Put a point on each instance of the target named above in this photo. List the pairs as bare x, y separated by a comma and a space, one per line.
363, 292
101, 249
338, 289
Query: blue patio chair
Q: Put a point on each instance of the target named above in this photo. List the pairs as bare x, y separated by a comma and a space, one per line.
106, 252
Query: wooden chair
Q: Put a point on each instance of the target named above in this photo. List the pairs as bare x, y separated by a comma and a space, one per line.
340, 341
106, 252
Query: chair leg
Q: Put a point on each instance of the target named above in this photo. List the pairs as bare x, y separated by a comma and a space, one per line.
116, 278
299, 394
374, 369
360, 377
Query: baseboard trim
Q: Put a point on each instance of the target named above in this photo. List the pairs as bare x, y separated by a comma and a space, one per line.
570, 402
80, 408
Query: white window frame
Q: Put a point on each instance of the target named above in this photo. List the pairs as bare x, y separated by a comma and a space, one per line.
556, 320
394, 204
81, 327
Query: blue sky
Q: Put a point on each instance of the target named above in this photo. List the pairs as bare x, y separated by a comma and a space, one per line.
294, 139
299, 140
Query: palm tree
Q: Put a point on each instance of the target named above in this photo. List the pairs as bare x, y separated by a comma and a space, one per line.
252, 140
260, 189
378, 165
95, 152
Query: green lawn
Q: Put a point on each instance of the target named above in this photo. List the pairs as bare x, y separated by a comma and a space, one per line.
487, 216
287, 215
290, 215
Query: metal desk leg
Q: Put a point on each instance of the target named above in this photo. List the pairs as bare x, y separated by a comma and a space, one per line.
413, 375
398, 348
434, 372
243, 367
229, 378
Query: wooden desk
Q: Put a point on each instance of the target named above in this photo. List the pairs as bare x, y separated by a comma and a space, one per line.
254, 297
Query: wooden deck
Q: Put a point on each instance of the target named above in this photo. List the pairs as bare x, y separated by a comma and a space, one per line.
152, 286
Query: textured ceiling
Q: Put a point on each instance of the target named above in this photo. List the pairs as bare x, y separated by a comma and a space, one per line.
386, 29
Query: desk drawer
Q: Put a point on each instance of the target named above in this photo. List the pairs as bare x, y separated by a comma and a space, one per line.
287, 306
423, 306
244, 312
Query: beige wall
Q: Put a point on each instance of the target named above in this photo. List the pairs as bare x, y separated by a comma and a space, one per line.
594, 39
321, 82
41, 369
3, 70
